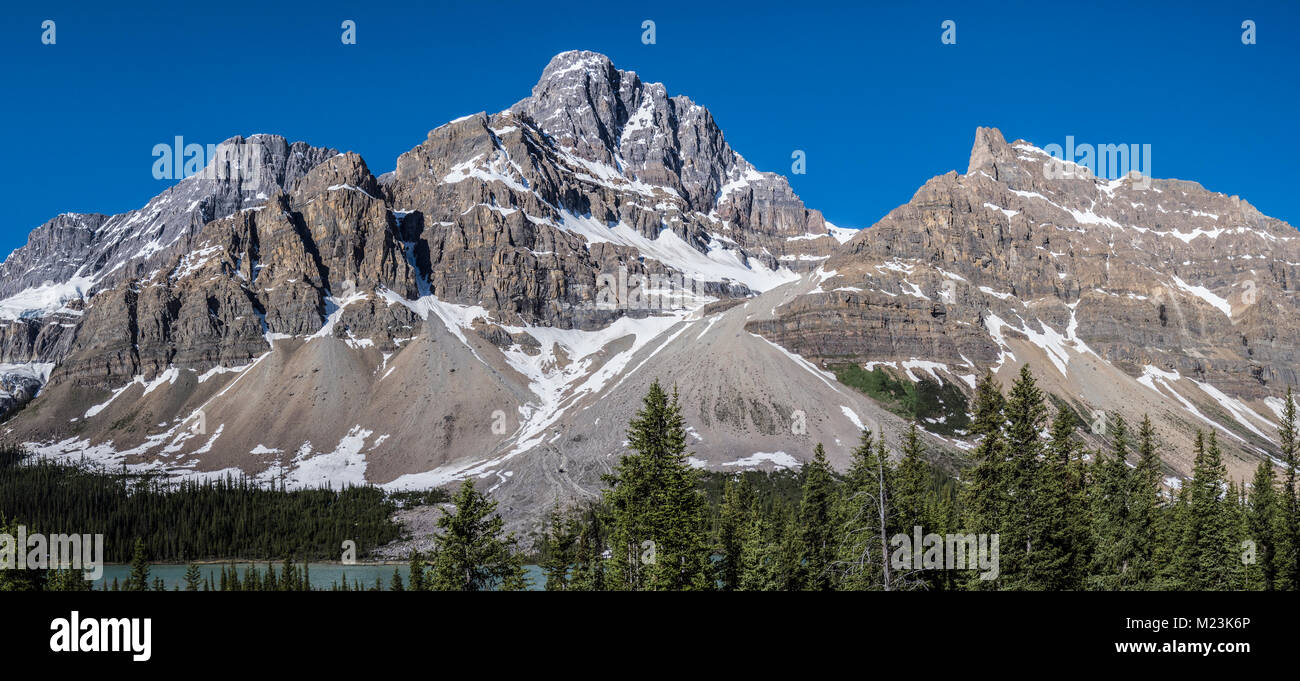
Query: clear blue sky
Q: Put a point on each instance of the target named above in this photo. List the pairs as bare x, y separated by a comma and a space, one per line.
878, 104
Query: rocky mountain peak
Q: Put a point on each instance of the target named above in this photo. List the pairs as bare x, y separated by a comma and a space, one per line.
583, 102
989, 148
342, 171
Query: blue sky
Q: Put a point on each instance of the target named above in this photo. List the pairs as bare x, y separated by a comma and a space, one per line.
868, 92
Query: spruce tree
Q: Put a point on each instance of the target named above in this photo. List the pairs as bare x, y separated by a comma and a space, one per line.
983, 504
18, 580
66, 580
865, 517
1263, 525
1109, 505
917, 506
193, 577
288, 575
1144, 511
558, 544
733, 523
1210, 525
760, 555
788, 537
1286, 557
1021, 523
588, 565
912, 479
139, 579
1056, 563
658, 531
817, 550
415, 575
473, 552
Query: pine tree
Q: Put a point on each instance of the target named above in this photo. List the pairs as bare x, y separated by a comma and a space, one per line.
415, 575
1109, 504
473, 551
658, 532
1286, 556
917, 506
1262, 523
733, 520
789, 547
192, 577
913, 483
983, 504
588, 566
760, 555
395, 583
1242, 569
865, 516
139, 579
66, 580
1056, 562
1144, 511
817, 549
1209, 522
1020, 524
17, 580
558, 543
288, 575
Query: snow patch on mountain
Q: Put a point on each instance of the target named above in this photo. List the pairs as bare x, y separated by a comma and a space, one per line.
44, 300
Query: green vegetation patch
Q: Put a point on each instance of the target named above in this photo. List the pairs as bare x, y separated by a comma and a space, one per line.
935, 406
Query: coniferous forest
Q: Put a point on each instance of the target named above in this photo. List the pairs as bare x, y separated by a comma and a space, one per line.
180, 521
1064, 517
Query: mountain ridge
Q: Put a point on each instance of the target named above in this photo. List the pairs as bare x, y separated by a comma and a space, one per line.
441, 321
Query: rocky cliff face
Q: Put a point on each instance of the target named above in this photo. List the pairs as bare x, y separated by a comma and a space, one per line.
450, 319
44, 285
1189, 292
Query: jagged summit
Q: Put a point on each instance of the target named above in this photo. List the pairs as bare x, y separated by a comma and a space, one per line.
609, 116
989, 147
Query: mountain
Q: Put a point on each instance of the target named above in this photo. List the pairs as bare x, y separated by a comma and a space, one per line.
1127, 295
44, 285
496, 306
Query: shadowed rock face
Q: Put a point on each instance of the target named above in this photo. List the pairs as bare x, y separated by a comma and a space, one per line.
441, 321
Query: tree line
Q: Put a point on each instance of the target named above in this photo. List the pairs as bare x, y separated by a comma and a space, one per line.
192, 520
1065, 518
